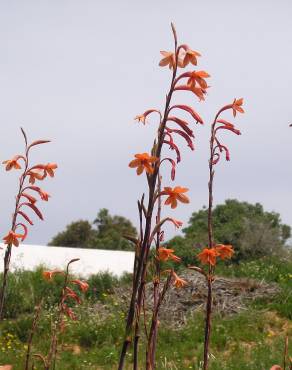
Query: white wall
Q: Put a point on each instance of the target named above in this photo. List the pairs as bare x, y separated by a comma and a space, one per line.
92, 261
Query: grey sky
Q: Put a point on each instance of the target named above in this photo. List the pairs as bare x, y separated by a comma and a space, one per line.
77, 72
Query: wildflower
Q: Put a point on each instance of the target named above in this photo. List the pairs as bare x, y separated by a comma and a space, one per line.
208, 256
198, 91
176, 222
69, 312
44, 195
49, 169
198, 78
143, 162
174, 195
12, 163
164, 254
35, 175
83, 285
190, 57
236, 106
142, 117
71, 294
168, 59
29, 197
48, 275
190, 110
224, 251
178, 282
12, 238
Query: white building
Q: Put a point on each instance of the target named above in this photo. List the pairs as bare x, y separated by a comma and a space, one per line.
92, 261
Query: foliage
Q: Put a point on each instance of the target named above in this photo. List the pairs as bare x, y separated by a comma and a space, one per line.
26, 288
239, 342
110, 231
77, 234
106, 232
252, 232
251, 340
269, 269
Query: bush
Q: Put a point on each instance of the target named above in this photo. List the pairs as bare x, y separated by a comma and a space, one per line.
101, 284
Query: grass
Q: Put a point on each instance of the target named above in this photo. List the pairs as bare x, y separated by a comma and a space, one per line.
247, 341
253, 339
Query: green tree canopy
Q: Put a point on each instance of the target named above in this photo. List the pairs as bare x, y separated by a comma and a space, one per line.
77, 234
252, 231
110, 231
106, 232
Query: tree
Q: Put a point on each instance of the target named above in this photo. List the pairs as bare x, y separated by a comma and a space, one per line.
106, 232
77, 234
110, 232
252, 231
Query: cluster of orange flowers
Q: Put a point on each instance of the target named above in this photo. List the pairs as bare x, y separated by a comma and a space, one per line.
166, 254
187, 56
38, 172
208, 256
196, 82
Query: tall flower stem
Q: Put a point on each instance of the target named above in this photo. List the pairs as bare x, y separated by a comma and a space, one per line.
8, 251
141, 268
210, 245
210, 275
58, 325
151, 345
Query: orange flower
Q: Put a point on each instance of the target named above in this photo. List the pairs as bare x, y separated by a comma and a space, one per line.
71, 294
199, 92
236, 106
198, 77
69, 312
29, 197
141, 118
35, 175
83, 285
143, 162
44, 195
190, 57
208, 256
48, 275
49, 169
176, 223
168, 59
12, 238
164, 254
224, 251
174, 195
178, 282
12, 163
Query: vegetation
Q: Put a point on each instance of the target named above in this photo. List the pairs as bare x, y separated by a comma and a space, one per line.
106, 232
246, 341
252, 231
42, 323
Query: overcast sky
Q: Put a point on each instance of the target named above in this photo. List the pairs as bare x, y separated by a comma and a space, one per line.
78, 72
